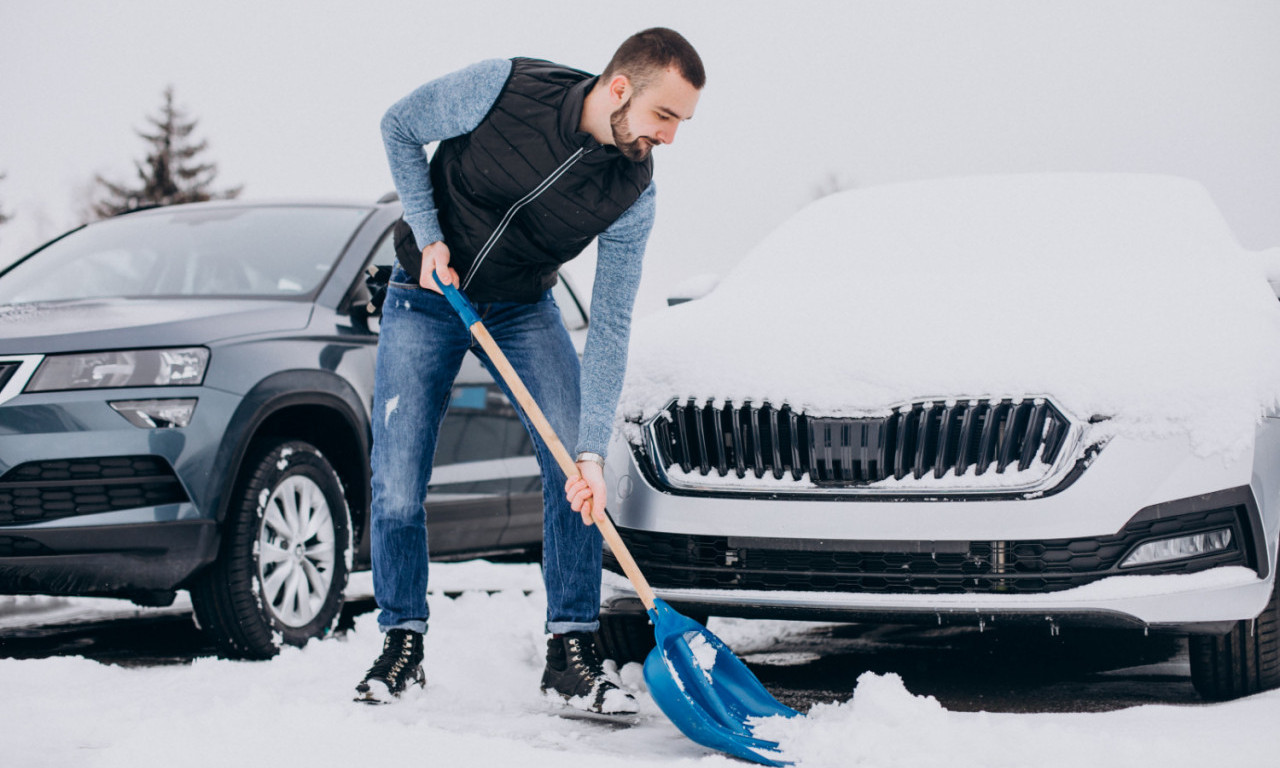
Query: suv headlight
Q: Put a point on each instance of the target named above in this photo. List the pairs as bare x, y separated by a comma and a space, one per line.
130, 368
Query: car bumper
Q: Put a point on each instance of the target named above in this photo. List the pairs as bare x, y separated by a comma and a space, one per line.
847, 558
92, 505
116, 560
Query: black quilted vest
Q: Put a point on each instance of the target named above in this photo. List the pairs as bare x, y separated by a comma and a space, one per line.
526, 191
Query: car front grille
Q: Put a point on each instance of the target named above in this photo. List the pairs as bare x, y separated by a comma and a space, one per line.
716, 562
964, 438
49, 490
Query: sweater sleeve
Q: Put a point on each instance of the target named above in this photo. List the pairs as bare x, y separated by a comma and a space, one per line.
443, 108
620, 250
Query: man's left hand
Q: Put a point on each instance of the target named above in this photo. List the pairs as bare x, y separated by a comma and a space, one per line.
587, 493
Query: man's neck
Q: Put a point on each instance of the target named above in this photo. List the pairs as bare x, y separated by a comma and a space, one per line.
595, 115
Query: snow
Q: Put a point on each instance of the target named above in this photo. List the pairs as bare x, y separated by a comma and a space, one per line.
1120, 295
482, 707
703, 652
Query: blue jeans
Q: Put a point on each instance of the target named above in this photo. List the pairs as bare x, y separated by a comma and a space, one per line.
420, 350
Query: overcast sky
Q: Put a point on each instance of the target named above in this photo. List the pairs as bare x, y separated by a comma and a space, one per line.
289, 95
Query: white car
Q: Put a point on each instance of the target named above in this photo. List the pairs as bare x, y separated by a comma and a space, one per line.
1039, 398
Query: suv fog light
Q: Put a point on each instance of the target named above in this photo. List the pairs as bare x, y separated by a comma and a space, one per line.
1180, 547
156, 414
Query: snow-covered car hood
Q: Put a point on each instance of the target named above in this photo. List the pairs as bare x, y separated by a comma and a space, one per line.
1118, 295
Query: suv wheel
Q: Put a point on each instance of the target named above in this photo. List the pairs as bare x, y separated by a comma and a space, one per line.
285, 556
1246, 660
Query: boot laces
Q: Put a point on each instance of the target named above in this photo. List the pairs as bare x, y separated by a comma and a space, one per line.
397, 653
584, 654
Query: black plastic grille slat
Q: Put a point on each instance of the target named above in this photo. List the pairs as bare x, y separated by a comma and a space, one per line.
700, 430
739, 441
1035, 428
685, 561
911, 441
944, 457
900, 448
684, 445
776, 444
48, 490
757, 451
987, 443
793, 420
923, 432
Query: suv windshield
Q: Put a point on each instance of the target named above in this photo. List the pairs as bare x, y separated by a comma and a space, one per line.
232, 251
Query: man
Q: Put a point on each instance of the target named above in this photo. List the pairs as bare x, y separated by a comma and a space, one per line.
535, 161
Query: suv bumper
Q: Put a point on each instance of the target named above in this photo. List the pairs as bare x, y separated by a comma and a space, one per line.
104, 560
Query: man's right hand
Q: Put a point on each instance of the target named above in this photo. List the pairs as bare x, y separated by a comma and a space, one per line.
436, 257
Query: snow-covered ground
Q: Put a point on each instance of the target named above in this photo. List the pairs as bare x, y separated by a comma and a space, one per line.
482, 706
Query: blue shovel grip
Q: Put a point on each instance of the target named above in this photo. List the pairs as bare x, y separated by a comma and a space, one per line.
460, 303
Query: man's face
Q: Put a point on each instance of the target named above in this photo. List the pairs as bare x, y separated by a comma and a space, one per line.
653, 115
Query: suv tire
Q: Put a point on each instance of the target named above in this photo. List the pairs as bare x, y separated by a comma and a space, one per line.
1244, 661
285, 554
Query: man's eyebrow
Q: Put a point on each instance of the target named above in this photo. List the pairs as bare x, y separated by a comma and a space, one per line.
672, 113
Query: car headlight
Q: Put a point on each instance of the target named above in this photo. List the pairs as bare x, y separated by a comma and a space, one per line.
130, 368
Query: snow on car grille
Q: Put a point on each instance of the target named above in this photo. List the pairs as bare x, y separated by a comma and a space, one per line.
672, 560
48, 490
1005, 444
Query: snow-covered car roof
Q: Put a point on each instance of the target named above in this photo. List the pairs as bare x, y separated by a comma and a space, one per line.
1124, 296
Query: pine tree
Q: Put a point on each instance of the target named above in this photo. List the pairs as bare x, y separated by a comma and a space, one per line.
170, 174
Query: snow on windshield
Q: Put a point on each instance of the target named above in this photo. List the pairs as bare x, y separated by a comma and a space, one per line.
1117, 295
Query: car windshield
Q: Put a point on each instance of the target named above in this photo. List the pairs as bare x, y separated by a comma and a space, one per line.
231, 251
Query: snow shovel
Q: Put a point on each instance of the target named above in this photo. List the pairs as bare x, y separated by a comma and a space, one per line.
695, 679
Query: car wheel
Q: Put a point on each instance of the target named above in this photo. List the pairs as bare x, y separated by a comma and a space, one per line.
1246, 660
285, 555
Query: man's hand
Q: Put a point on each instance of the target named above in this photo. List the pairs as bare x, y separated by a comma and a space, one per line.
436, 257
587, 493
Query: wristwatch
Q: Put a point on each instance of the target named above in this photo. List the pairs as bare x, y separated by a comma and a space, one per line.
589, 456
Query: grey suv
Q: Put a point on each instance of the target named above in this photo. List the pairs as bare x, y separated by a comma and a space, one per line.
184, 404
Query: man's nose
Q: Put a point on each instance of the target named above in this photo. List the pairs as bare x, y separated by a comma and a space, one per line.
667, 133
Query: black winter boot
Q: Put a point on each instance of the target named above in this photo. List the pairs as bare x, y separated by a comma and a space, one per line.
399, 664
575, 673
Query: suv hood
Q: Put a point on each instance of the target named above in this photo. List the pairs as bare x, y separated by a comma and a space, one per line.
68, 326
1116, 295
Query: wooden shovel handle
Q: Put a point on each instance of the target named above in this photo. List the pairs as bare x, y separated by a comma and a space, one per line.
567, 464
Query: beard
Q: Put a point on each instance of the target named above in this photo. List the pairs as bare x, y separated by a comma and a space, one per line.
634, 148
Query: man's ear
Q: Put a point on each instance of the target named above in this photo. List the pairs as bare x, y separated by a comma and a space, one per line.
619, 89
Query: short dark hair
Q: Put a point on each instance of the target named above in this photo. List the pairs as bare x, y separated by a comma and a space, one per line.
645, 55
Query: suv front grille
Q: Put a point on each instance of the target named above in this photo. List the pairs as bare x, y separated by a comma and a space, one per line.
917, 440
717, 562
48, 490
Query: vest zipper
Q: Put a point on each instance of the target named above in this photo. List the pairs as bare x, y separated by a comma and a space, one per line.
511, 212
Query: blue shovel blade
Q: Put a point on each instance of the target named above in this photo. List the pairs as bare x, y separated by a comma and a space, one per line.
704, 689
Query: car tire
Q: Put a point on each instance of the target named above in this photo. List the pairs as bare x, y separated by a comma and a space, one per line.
285, 554
1244, 661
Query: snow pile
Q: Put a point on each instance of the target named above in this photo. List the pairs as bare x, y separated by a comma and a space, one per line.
1118, 295
886, 726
